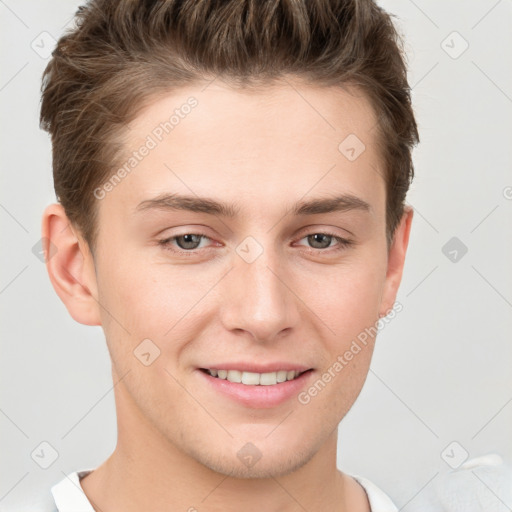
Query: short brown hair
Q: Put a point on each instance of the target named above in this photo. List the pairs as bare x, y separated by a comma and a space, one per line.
122, 52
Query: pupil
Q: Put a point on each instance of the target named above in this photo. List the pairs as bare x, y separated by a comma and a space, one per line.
190, 241
313, 239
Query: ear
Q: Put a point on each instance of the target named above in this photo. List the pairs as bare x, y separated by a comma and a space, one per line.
70, 265
396, 260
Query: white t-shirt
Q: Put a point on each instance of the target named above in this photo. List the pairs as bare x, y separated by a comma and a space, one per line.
70, 497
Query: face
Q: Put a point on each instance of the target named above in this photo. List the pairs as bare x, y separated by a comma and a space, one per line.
246, 238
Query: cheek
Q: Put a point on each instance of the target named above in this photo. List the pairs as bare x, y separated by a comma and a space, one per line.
143, 299
133, 308
346, 297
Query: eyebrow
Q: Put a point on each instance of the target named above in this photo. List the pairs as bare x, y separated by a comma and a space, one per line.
341, 203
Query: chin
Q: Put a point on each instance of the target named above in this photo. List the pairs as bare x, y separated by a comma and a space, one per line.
266, 467
250, 462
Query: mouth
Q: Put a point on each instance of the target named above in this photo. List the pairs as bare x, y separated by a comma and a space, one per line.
257, 390
254, 378
256, 385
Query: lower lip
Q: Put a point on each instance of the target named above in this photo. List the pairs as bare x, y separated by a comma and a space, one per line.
259, 397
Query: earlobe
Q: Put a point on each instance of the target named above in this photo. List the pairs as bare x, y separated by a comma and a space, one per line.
396, 260
70, 266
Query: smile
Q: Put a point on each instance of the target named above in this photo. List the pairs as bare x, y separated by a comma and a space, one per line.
253, 378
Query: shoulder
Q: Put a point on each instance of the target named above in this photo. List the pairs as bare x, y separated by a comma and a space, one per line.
378, 499
68, 494
43, 503
65, 496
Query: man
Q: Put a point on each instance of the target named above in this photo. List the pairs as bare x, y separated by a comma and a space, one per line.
231, 180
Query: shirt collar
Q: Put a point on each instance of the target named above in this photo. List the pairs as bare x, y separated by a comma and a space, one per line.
69, 495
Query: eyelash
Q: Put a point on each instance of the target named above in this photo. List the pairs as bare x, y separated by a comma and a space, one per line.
343, 243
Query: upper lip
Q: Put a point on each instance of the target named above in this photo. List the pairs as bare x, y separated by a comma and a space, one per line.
257, 368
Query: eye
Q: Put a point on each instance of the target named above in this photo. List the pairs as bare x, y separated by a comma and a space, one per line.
322, 241
187, 242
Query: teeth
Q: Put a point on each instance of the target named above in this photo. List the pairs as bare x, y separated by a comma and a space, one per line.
250, 378
281, 375
234, 376
255, 379
267, 379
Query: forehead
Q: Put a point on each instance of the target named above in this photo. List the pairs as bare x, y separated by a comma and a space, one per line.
253, 116
284, 139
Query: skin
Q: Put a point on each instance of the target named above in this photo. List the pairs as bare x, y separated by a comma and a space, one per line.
299, 302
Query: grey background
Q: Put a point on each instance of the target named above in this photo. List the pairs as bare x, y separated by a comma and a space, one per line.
441, 369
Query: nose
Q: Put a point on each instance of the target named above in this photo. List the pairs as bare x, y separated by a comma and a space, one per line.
258, 299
